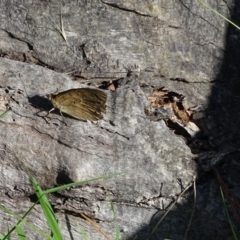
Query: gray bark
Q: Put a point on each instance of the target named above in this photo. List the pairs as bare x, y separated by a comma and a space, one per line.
173, 48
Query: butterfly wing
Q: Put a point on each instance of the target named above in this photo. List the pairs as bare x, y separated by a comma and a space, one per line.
82, 103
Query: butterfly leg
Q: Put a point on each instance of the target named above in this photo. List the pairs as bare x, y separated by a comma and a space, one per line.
39, 115
63, 118
60, 113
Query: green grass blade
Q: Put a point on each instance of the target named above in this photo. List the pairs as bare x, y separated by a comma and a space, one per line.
4, 114
47, 210
20, 232
1, 236
229, 219
115, 219
226, 19
22, 219
80, 183
41, 198
82, 232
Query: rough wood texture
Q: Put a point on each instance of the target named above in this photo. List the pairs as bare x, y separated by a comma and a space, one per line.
171, 47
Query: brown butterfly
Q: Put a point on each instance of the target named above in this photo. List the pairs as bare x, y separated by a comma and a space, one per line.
80, 103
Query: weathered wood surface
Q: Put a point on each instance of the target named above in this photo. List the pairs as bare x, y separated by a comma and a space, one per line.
170, 46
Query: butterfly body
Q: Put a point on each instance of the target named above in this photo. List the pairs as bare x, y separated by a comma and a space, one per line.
80, 103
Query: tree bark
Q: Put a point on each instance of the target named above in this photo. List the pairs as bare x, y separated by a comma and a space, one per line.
163, 67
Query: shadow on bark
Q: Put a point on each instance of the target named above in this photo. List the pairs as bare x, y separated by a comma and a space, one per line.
222, 121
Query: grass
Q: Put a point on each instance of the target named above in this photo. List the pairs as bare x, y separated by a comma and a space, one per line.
171, 206
49, 212
228, 197
60, 28
4, 114
219, 14
225, 192
228, 216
